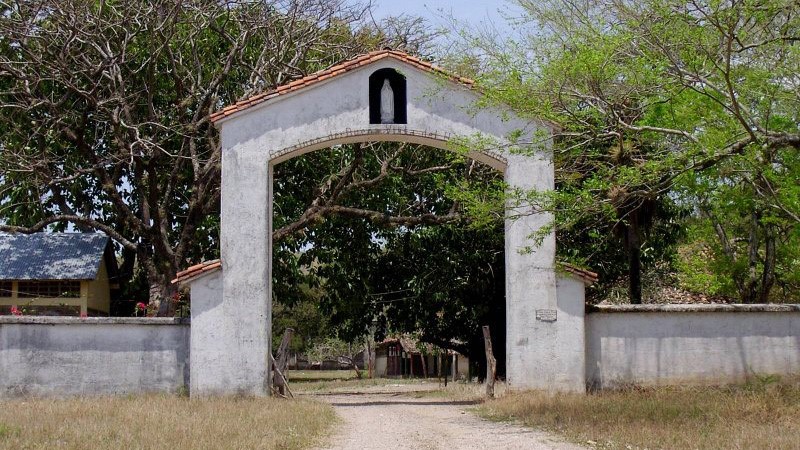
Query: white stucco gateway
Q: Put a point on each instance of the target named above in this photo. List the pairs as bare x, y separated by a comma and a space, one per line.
553, 342
381, 96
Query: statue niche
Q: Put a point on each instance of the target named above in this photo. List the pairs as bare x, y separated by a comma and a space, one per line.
387, 97
387, 103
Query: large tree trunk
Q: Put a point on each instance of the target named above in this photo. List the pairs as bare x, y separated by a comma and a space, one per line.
161, 296
161, 289
750, 292
768, 271
633, 247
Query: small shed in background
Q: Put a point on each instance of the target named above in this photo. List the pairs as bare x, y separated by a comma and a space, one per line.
403, 356
56, 273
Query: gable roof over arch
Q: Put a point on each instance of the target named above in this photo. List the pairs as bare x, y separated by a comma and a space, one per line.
338, 69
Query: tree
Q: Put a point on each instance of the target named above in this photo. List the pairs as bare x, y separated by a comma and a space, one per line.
339, 351
303, 315
331, 235
649, 95
417, 254
104, 111
445, 283
750, 244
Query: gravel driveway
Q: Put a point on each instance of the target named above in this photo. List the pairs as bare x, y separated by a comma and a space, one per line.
379, 420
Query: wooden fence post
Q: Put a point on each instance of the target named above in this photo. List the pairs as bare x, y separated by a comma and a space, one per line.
282, 363
491, 363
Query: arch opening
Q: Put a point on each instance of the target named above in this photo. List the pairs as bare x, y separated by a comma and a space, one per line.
458, 249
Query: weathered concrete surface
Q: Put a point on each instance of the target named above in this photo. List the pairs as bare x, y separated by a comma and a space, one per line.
60, 356
208, 318
336, 111
677, 345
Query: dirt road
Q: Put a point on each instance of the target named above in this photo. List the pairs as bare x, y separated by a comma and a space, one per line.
383, 421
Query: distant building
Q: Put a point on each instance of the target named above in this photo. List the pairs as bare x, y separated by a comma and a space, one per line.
404, 356
56, 273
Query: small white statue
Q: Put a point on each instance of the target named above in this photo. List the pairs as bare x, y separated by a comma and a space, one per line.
387, 103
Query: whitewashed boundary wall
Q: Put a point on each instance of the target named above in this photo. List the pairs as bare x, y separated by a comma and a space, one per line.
697, 344
61, 356
624, 345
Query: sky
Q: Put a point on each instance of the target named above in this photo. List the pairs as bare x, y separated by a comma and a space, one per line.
470, 12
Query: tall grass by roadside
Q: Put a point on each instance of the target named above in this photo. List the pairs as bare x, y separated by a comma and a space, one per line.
763, 413
162, 422
331, 381
462, 392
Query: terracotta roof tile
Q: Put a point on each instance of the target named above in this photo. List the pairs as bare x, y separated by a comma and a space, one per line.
338, 69
197, 270
586, 275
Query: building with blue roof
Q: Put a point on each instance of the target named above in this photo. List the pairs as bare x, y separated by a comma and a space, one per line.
56, 273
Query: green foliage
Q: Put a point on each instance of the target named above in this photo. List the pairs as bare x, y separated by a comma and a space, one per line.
695, 266
441, 281
445, 283
657, 99
104, 111
305, 317
749, 241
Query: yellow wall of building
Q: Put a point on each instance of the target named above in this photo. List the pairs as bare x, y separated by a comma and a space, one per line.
99, 298
95, 295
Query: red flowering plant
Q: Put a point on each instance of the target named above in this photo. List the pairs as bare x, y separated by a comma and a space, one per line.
141, 308
15, 311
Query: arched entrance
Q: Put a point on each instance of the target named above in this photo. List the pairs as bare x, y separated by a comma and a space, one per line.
381, 96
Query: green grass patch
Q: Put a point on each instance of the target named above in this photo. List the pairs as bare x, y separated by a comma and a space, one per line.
7, 431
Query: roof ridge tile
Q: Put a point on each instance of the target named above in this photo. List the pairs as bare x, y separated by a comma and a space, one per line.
196, 271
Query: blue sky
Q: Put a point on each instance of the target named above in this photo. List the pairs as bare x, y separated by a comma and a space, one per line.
472, 12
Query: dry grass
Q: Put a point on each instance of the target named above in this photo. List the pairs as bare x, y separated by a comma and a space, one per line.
462, 392
761, 414
348, 385
318, 381
322, 375
162, 422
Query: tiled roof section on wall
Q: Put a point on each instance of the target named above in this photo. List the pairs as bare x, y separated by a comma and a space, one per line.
338, 69
587, 276
197, 271
51, 256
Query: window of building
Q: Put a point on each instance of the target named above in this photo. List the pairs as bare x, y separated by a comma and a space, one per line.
49, 289
6, 288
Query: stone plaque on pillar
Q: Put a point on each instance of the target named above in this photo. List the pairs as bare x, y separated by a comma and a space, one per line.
547, 315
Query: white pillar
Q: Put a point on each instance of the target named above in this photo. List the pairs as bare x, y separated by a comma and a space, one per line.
541, 349
239, 328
